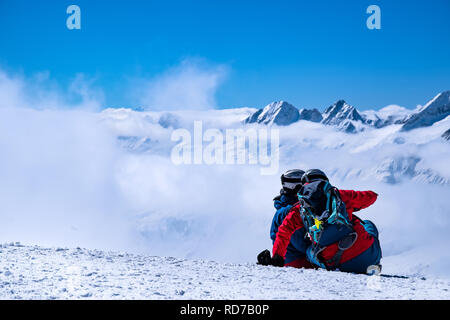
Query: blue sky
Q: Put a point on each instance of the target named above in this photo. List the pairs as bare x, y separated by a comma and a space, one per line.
309, 54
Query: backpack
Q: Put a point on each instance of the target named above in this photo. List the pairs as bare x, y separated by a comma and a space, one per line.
326, 221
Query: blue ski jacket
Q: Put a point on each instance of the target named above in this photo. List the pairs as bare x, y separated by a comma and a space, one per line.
298, 244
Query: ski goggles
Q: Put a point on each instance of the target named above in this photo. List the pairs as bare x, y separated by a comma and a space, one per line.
290, 185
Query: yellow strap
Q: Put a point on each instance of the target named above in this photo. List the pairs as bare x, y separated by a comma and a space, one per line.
317, 223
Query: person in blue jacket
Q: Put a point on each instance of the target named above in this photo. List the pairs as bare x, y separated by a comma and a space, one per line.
296, 252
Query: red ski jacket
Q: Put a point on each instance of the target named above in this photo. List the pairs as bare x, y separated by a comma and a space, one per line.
354, 201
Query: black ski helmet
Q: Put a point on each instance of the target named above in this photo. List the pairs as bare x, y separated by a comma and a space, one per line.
291, 180
312, 175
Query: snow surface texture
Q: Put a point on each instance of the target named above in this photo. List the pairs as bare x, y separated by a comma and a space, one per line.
32, 272
79, 177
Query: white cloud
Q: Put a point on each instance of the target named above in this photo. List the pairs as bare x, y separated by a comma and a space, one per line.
56, 166
41, 92
191, 85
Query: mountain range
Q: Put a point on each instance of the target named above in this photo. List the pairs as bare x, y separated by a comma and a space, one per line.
390, 145
347, 118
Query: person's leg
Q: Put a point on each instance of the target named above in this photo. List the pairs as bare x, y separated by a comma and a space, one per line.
360, 263
300, 263
372, 229
371, 256
296, 259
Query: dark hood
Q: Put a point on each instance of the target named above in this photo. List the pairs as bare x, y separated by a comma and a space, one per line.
314, 194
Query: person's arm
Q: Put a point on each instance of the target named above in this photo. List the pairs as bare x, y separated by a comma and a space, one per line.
291, 223
277, 220
357, 200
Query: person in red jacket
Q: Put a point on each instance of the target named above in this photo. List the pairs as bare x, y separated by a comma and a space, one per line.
351, 247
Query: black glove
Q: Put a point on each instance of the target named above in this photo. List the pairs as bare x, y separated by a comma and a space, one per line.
277, 261
265, 259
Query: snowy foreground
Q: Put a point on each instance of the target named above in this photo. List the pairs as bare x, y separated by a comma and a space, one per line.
32, 272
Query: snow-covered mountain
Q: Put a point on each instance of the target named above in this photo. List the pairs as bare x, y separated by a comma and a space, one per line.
347, 118
283, 113
280, 113
340, 112
435, 110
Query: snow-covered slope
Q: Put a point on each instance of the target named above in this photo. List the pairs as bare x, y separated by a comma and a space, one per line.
31, 272
280, 113
435, 110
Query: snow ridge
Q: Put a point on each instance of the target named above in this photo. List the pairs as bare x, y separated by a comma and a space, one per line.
435, 110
